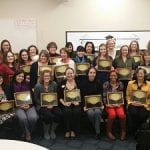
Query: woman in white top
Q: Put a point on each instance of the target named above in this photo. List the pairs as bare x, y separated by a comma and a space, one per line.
65, 59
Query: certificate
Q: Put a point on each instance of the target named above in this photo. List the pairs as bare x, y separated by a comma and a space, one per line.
124, 73
72, 95
47, 67
115, 98
26, 68
137, 58
104, 65
23, 98
90, 56
54, 60
82, 68
49, 99
16, 55
139, 96
93, 101
6, 107
60, 70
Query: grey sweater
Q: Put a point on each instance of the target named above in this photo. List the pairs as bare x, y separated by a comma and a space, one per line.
39, 88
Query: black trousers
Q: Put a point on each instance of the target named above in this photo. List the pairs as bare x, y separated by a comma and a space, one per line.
50, 115
72, 116
137, 116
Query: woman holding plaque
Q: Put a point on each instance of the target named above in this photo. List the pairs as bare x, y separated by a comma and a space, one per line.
103, 56
52, 48
71, 51
5, 70
26, 113
33, 53
49, 113
5, 47
24, 58
8, 118
9, 60
134, 51
71, 109
65, 58
114, 85
89, 48
127, 64
35, 67
93, 87
138, 99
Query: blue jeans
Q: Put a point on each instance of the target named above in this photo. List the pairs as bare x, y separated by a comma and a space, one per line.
94, 116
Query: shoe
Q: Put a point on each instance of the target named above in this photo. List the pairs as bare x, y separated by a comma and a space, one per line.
28, 137
67, 135
97, 136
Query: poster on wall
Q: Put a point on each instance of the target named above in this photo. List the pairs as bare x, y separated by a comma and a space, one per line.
21, 32
98, 37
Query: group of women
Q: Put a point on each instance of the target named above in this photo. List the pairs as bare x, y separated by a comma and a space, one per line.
13, 79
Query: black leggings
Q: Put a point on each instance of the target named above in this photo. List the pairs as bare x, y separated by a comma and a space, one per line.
137, 115
72, 118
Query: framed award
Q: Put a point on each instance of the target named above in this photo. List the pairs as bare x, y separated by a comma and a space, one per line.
104, 65
90, 57
137, 58
60, 70
72, 95
124, 73
49, 99
26, 68
6, 107
115, 98
139, 96
93, 101
54, 60
82, 68
23, 98
48, 67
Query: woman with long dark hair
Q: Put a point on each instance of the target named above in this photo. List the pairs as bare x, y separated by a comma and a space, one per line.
93, 87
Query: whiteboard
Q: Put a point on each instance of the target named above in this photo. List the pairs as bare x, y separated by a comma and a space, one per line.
98, 37
20, 32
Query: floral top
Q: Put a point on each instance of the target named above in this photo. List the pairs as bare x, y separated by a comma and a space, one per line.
107, 87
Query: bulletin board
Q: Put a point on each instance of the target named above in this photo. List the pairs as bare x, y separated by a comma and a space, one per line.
98, 37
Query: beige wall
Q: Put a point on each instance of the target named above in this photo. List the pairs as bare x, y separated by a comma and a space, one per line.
54, 17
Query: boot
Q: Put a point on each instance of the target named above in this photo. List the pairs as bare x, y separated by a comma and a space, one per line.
46, 131
109, 129
123, 129
52, 131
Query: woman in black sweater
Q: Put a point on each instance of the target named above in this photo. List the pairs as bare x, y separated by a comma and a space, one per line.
93, 87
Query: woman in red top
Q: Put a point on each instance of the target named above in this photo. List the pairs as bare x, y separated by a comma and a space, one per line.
5, 70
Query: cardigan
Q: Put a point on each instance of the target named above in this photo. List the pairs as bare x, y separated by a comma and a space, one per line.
119, 63
39, 88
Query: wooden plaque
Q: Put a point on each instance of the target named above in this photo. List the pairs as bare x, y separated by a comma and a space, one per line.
23, 98
72, 95
93, 101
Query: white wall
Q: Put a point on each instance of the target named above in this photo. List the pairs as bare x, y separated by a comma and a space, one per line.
54, 17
